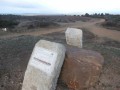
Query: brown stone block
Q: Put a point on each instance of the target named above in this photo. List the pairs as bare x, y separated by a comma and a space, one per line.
81, 68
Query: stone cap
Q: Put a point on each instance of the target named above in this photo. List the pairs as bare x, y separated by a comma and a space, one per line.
73, 31
50, 45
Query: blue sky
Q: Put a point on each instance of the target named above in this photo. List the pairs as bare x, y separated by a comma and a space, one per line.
59, 6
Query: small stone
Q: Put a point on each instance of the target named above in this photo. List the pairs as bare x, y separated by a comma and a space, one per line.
74, 37
81, 68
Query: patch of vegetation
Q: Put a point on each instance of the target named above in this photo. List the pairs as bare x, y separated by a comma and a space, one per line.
9, 21
32, 25
7, 24
112, 21
95, 15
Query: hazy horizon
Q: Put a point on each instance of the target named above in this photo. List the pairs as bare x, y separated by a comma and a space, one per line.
56, 7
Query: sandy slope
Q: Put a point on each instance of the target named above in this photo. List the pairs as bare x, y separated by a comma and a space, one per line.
92, 25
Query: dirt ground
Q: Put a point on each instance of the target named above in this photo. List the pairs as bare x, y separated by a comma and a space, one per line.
16, 48
92, 25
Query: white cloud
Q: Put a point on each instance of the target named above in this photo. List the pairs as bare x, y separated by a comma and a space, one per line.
70, 6
61, 6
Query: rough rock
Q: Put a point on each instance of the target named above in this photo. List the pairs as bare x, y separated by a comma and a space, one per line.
74, 37
81, 68
44, 66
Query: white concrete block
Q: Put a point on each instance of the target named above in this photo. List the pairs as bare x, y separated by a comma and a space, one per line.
44, 66
74, 37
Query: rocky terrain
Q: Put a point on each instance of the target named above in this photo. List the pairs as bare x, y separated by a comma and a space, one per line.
15, 53
16, 48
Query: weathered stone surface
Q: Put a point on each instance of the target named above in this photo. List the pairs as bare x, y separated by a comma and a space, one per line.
44, 66
81, 68
74, 37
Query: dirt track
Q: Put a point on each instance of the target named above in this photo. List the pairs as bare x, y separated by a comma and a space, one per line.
93, 25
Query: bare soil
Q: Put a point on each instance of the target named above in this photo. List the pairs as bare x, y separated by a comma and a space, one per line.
16, 48
93, 25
